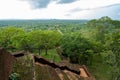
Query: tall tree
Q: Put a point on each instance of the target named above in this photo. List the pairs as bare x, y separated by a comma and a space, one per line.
113, 59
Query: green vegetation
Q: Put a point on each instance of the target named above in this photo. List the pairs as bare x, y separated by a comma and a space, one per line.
52, 55
14, 76
95, 43
24, 67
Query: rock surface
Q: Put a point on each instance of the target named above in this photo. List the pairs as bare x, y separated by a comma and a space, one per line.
6, 64
31, 67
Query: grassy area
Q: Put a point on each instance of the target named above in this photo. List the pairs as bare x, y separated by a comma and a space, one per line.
98, 69
52, 55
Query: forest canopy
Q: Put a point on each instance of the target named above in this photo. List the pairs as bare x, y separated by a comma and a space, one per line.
80, 41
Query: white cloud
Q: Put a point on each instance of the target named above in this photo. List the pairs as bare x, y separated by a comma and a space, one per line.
21, 9
14, 9
90, 4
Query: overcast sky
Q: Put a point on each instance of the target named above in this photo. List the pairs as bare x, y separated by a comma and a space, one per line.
59, 9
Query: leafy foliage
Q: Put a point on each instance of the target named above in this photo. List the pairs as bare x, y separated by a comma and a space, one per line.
77, 48
93, 43
14, 76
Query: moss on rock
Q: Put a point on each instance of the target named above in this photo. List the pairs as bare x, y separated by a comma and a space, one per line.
24, 67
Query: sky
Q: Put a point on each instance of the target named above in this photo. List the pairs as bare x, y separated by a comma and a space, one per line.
59, 9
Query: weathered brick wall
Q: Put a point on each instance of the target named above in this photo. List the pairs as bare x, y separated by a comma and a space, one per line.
6, 64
